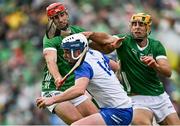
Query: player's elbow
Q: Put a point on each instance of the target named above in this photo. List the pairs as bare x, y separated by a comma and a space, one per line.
168, 74
114, 65
79, 91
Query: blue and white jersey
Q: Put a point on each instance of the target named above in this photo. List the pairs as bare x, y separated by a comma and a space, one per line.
104, 85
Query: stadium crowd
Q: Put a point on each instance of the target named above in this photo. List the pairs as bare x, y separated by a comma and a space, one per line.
23, 25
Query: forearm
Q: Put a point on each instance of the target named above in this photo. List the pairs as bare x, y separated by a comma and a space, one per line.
51, 59
53, 69
106, 48
101, 38
114, 65
69, 94
164, 70
161, 65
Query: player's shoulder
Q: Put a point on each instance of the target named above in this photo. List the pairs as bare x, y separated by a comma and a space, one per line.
154, 41
92, 55
76, 28
54, 39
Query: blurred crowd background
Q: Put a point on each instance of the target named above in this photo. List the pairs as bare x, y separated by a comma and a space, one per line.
22, 27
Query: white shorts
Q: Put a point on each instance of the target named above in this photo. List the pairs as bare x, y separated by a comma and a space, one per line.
75, 101
160, 105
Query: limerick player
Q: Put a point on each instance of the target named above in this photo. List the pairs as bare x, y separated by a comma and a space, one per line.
95, 75
57, 66
142, 59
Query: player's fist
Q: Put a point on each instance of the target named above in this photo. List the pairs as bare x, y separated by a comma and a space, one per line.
117, 42
42, 102
60, 83
149, 60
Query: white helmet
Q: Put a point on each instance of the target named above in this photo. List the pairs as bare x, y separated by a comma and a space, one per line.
75, 42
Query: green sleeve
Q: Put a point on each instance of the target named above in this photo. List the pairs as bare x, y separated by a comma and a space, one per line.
49, 43
160, 50
80, 29
77, 29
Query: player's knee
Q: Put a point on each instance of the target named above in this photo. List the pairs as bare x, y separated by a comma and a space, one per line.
71, 120
141, 121
171, 121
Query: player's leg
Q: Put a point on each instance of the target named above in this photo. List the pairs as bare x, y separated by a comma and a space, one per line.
165, 112
171, 119
87, 108
71, 111
67, 112
95, 119
142, 117
108, 116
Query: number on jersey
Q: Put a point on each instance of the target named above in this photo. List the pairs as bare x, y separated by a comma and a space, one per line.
105, 66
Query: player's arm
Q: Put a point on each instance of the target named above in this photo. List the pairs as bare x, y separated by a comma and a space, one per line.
103, 41
161, 65
106, 48
77, 90
114, 65
51, 59
102, 38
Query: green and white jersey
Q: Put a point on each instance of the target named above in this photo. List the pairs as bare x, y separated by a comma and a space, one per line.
138, 78
63, 66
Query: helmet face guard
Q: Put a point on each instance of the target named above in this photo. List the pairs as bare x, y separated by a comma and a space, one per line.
55, 8
142, 17
75, 42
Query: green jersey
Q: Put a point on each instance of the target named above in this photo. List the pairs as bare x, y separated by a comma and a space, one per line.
63, 66
138, 78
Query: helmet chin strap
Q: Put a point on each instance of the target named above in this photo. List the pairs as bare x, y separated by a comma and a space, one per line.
138, 40
65, 28
63, 31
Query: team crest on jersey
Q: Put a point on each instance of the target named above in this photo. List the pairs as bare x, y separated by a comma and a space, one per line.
134, 51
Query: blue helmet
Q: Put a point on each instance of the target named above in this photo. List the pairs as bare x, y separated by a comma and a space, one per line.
75, 42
